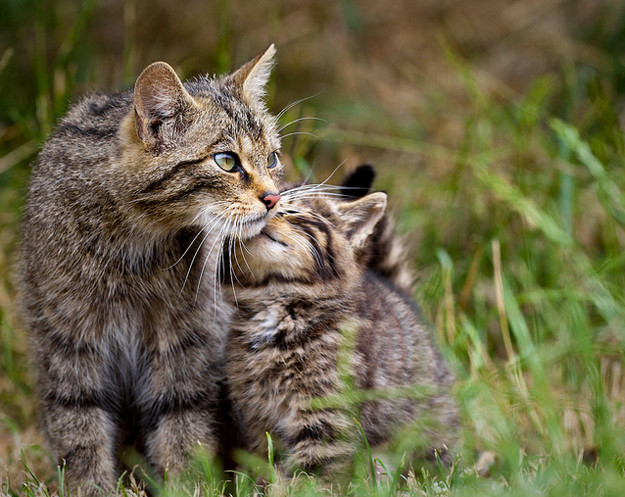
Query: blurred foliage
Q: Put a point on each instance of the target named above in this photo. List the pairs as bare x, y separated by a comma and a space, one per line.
496, 128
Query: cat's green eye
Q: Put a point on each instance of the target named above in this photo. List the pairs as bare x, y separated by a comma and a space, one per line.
272, 160
228, 162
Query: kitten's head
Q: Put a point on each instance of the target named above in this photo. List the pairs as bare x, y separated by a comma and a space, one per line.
310, 240
204, 153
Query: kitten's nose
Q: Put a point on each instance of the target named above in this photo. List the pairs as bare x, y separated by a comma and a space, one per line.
270, 199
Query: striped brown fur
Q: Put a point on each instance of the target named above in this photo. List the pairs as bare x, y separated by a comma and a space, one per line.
126, 214
298, 285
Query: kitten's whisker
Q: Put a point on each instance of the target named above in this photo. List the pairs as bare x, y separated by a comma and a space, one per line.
307, 240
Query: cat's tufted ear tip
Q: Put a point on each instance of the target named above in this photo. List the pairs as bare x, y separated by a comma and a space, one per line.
252, 77
270, 51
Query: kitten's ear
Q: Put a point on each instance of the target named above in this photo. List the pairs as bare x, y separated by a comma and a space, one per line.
160, 105
252, 77
358, 183
359, 217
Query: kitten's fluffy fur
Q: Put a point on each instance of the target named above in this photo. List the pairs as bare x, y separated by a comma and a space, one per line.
126, 213
298, 285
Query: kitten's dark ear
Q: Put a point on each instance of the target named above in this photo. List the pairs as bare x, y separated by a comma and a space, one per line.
252, 77
160, 105
359, 217
358, 183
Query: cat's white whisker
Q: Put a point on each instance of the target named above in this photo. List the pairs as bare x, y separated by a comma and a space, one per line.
301, 119
218, 241
233, 240
187, 249
325, 181
293, 104
243, 247
209, 226
282, 137
212, 225
197, 251
232, 271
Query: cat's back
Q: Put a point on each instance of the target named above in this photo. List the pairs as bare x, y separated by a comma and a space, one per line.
83, 140
71, 227
69, 171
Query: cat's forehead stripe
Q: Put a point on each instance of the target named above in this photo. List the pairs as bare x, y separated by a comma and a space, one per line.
240, 113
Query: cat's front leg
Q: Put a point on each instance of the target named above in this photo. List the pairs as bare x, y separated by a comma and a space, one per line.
181, 432
77, 412
82, 438
181, 403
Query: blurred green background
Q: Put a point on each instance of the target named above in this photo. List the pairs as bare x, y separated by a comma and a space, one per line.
496, 127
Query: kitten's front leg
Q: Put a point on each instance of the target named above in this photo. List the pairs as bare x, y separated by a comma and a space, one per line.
77, 411
318, 441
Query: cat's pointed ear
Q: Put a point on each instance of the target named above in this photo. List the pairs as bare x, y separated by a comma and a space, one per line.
252, 77
161, 103
359, 217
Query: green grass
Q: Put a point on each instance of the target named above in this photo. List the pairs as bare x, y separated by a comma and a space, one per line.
511, 198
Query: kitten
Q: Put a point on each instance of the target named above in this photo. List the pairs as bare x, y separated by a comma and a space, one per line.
128, 206
298, 285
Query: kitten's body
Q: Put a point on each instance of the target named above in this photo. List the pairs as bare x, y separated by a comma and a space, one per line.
124, 223
294, 302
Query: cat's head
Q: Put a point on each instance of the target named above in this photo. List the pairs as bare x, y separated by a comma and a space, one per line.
313, 239
205, 153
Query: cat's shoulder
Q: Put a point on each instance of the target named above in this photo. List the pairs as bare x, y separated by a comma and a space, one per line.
94, 115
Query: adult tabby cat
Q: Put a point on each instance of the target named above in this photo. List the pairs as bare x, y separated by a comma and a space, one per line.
298, 284
127, 210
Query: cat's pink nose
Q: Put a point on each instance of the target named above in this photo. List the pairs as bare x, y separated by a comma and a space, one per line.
270, 199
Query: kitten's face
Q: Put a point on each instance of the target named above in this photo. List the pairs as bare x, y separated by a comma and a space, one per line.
205, 154
309, 240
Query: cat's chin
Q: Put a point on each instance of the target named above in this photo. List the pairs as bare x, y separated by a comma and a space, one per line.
252, 227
